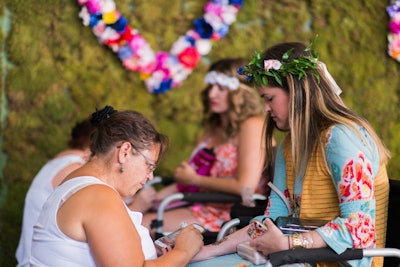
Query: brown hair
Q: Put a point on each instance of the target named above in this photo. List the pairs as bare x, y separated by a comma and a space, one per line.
80, 135
243, 102
313, 107
114, 127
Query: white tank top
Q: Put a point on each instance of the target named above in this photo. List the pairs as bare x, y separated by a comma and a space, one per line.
51, 247
38, 192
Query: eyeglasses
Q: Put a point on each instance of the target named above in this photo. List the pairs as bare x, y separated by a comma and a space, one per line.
151, 165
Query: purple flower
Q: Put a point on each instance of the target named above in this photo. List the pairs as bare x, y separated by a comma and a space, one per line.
393, 10
125, 52
223, 30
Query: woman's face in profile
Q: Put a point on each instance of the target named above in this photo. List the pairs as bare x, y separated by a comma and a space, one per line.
276, 103
138, 170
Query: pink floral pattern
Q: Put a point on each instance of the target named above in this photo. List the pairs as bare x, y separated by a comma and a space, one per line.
356, 183
212, 216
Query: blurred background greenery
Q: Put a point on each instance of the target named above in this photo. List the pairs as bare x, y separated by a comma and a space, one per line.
54, 72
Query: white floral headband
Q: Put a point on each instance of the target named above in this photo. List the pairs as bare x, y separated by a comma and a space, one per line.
214, 77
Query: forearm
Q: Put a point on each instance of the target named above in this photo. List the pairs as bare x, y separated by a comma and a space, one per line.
225, 246
226, 185
174, 258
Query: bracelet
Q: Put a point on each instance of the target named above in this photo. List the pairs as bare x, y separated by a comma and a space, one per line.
297, 241
300, 241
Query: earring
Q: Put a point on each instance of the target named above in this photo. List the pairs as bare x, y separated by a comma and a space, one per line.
121, 170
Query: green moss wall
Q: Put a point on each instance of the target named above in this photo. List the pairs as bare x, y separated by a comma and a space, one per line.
54, 72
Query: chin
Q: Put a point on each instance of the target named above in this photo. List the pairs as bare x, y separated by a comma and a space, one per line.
283, 128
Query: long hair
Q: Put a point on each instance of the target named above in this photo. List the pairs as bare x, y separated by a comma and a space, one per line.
313, 107
243, 102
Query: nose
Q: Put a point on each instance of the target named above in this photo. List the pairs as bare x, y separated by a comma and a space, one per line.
267, 108
150, 176
213, 91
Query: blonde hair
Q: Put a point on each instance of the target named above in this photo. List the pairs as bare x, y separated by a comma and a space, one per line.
243, 102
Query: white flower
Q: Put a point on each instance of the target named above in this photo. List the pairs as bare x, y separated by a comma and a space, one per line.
214, 77
272, 64
203, 46
229, 14
85, 16
108, 6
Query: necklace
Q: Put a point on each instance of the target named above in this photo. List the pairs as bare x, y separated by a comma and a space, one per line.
160, 71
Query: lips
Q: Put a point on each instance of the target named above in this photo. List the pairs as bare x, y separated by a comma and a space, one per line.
213, 103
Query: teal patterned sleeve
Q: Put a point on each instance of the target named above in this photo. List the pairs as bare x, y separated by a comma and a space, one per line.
353, 160
276, 205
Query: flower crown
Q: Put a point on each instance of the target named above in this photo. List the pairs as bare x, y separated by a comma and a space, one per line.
258, 69
214, 77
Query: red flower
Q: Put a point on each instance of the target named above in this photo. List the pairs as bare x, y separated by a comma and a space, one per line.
189, 57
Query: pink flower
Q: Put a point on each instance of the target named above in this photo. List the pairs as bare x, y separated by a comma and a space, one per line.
272, 64
93, 6
213, 8
394, 46
394, 26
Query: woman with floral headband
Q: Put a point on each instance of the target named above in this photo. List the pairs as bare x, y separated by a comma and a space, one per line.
330, 166
231, 148
85, 221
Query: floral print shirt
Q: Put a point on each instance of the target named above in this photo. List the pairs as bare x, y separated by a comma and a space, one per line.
354, 165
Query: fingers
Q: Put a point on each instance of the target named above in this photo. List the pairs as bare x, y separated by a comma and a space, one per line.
269, 223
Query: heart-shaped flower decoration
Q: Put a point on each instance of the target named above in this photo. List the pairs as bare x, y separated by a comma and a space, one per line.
160, 71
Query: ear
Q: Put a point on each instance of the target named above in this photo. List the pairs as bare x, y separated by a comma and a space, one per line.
123, 152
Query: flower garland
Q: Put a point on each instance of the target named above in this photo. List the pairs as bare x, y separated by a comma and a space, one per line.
160, 71
394, 25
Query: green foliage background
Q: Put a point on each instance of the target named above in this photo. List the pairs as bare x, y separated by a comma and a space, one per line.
54, 72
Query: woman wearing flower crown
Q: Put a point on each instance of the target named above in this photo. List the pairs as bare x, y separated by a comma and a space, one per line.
233, 122
331, 165
85, 221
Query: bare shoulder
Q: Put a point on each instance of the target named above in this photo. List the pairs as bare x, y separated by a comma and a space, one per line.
98, 194
92, 199
255, 121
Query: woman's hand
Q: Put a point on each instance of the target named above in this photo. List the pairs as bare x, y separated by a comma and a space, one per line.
271, 241
185, 174
143, 200
190, 240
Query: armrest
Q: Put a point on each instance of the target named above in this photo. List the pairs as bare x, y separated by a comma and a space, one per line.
312, 256
190, 197
327, 255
